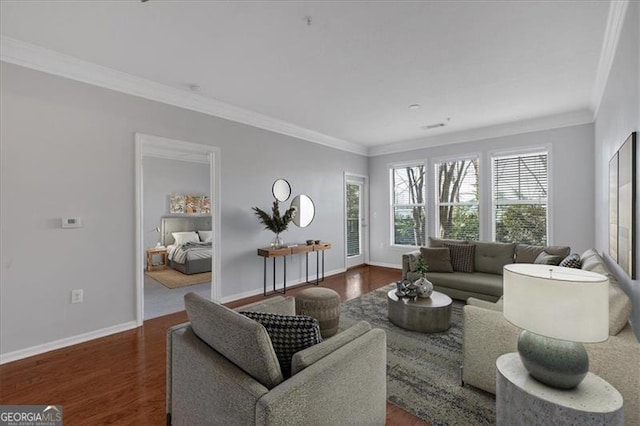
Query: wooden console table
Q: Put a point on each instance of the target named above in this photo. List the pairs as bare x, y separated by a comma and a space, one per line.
274, 253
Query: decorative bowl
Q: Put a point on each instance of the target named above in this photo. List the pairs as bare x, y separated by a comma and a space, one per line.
309, 242
317, 241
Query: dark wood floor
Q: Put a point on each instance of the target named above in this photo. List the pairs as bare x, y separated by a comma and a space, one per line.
120, 379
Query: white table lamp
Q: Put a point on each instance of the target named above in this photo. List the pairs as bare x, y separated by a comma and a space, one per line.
558, 309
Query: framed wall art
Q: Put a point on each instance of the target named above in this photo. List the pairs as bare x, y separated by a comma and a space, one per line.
622, 206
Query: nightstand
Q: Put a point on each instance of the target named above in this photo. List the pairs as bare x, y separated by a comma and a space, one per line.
521, 399
157, 252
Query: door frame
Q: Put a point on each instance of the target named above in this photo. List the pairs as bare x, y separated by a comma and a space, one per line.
364, 244
156, 146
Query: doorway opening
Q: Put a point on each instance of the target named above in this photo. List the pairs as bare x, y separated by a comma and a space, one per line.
157, 159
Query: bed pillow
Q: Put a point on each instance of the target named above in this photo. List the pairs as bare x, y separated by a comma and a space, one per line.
205, 236
185, 237
289, 334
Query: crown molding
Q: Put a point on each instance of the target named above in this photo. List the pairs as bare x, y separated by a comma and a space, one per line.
573, 118
615, 22
35, 57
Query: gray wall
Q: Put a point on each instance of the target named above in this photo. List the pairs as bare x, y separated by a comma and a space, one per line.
618, 116
67, 149
572, 158
163, 177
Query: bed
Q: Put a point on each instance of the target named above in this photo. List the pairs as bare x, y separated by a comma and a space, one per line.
188, 257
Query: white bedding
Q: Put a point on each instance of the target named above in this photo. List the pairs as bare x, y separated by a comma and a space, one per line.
190, 251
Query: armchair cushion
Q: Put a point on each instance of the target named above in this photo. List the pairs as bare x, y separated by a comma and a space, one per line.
248, 345
306, 357
289, 334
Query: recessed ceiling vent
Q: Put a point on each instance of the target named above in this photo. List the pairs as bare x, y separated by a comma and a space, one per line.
436, 125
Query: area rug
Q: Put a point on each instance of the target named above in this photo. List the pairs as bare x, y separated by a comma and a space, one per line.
171, 278
423, 370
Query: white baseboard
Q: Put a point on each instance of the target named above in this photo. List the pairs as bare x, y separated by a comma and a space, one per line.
279, 286
385, 265
67, 341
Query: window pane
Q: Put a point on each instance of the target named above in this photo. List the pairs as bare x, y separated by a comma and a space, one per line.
459, 222
458, 181
408, 185
522, 223
409, 225
353, 220
458, 199
521, 178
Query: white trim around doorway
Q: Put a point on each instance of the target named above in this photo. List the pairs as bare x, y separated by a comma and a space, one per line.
149, 145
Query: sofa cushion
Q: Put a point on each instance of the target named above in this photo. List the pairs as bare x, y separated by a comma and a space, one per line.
545, 258
241, 340
526, 253
461, 256
572, 261
437, 259
289, 334
490, 257
619, 303
440, 242
478, 282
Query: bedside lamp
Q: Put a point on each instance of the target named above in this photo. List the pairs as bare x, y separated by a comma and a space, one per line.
558, 309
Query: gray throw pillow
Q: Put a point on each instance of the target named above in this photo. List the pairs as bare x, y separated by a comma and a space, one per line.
461, 256
437, 259
545, 258
289, 334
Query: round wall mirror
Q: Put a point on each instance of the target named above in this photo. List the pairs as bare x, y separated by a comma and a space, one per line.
281, 190
305, 210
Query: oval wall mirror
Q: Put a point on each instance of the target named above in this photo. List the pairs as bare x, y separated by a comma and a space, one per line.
281, 190
305, 210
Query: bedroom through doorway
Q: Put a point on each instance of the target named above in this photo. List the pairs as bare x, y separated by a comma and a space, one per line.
176, 217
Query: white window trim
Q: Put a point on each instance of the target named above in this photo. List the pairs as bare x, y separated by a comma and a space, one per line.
435, 211
391, 230
536, 149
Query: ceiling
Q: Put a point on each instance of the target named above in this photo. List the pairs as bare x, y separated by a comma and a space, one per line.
344, 73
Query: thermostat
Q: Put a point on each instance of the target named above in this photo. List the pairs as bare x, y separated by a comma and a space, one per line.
71, 222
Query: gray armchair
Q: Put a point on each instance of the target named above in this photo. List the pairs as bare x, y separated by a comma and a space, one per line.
222, 369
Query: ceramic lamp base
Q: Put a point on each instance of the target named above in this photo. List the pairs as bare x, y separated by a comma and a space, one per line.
557, 363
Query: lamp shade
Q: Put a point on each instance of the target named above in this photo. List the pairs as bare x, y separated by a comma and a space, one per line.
557, 302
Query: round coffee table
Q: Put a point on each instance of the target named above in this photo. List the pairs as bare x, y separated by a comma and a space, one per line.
430, 315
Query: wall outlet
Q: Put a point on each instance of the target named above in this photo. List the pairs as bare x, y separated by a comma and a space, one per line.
77, 296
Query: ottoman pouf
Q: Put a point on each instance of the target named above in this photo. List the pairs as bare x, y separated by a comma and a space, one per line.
322, 304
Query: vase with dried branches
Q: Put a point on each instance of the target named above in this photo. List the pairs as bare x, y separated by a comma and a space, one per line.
275, 222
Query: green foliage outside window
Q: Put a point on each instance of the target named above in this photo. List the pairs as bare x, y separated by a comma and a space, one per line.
522, 223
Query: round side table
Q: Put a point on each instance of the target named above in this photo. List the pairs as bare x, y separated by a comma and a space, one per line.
521, 399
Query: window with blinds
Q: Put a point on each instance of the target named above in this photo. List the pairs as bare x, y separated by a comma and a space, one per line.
408, 205
458, 195
520, 198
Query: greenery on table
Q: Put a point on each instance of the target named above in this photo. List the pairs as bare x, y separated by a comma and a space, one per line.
275, 222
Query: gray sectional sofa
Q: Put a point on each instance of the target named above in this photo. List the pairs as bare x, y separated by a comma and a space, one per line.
485, 282
487, 335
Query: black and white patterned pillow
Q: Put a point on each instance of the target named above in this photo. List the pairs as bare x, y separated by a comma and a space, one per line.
462, 256
572, 261
289, 334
